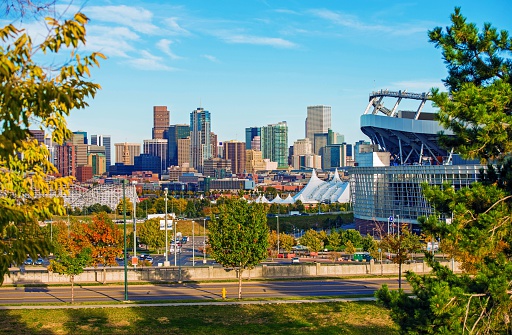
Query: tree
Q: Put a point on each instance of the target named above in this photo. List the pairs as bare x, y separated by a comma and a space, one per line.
129, 207
239, 236
478, 110
150, 234
105, 239
351, 235
334, 239
286, 242
350, 248
313, 240
32, 96
72, 253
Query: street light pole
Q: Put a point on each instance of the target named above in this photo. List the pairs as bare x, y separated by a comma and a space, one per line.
125, 256
277, 236
204, 241
135, 221
166, 235
193, 245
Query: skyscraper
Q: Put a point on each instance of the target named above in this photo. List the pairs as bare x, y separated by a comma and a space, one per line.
174, 133
161, 121
133, 150
235, 152
318, 120
200, 145
104, 141
157, 147
250, 134
274, 143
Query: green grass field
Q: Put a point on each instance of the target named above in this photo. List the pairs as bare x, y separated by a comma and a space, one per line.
306, 318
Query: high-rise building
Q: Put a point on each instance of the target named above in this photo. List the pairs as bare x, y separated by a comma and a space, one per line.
254, 161
214, 145
98, 163
318, 120
302, 147
161, 121
38, 134
183, 151
104, 141
334, 156
274, 143
200, 137
235, 152
83, 135
157, 147
172, 135
251, 134
217, 168
65, 159
126, 152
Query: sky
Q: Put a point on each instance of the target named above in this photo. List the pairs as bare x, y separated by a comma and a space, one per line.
254, 63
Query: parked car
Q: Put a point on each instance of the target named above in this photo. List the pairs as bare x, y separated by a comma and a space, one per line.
148, 259
29, 261
295, 260
39, 261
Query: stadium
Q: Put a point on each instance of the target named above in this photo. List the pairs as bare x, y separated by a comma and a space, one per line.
385, 187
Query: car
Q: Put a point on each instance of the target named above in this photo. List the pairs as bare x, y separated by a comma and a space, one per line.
29, 261
295, 260
39, 261
148, 259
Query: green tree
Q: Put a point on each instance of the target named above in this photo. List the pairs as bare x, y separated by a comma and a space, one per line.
313, 240
150, 234
352, 235
239, 236
32, 96
350, 248
369, 243
477, 109
334, 239
286, 242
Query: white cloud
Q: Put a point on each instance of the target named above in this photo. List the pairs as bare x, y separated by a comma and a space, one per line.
353, 22
175, 27
211, 58
257, 40
165, 46
150, 62
137, 18
111, 41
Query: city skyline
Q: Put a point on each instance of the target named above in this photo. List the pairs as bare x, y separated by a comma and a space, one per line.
257, 63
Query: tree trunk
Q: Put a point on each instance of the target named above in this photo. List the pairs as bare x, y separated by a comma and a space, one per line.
72, 279
240, 270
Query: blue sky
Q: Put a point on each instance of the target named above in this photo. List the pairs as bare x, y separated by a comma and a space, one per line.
252, 63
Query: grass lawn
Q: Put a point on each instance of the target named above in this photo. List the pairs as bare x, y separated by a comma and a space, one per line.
307, 318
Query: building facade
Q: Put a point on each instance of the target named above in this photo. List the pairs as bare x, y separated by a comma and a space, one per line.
161, 121
104, 141
250, 134
235, 152
200, 139
318, 120
173, 134
157, 147
126, 152
274, 143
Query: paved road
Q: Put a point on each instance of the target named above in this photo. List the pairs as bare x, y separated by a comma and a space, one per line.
195, 291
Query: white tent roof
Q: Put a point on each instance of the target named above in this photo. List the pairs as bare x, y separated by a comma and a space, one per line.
318, 190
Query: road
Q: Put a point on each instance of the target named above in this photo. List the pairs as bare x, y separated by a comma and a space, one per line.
195, 291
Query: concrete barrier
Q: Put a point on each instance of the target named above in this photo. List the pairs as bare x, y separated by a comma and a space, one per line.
202, 273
